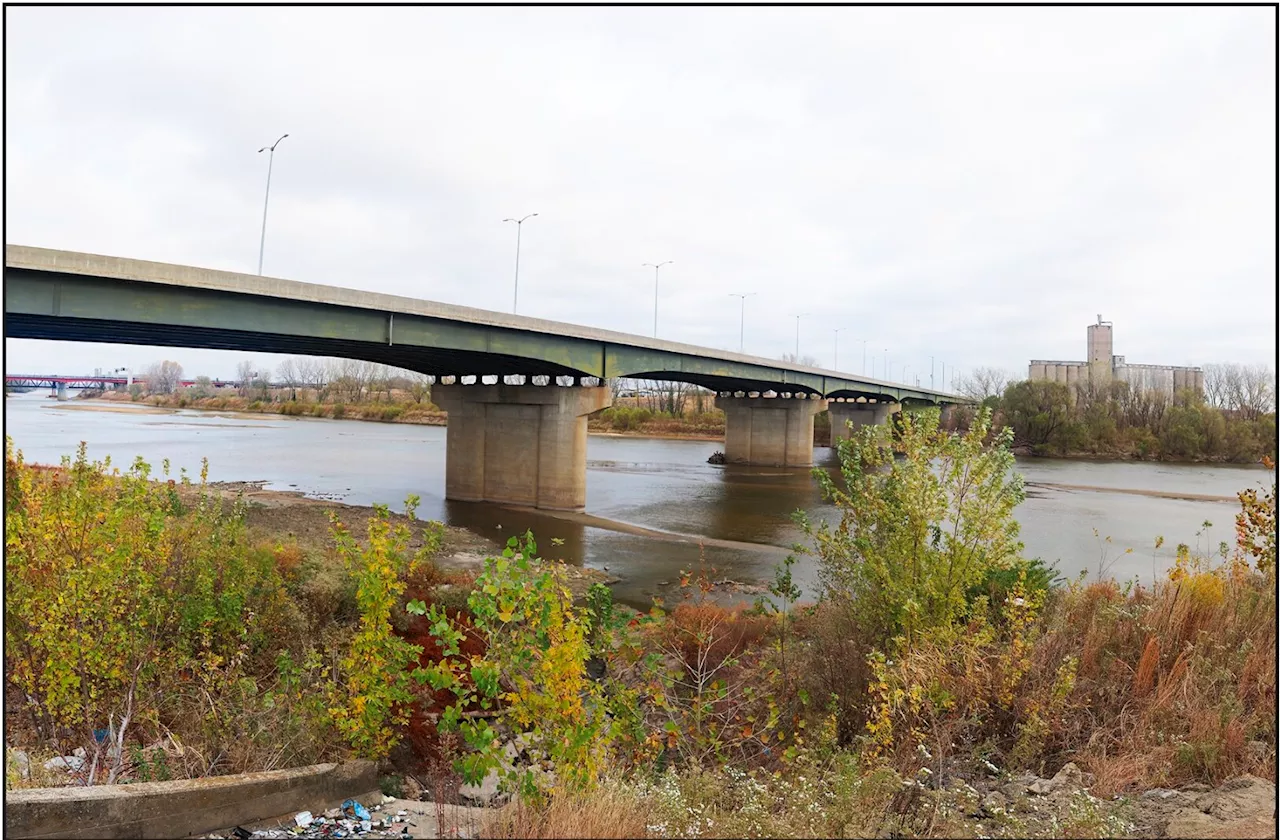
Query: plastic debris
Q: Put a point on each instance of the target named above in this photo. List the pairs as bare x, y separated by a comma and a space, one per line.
303, 819
355, 810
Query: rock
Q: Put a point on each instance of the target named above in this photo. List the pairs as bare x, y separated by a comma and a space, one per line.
1012, 790
79, 752
994, 803
1069, 777
1191, 822
1160, 793
70, 763
1240, 798
485, 793
21, 763
511, 751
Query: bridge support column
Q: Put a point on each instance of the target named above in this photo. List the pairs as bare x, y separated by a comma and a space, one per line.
518, 444
859, 414
769, 431
61, 390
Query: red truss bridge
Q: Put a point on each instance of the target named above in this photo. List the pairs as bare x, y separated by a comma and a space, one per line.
49, 380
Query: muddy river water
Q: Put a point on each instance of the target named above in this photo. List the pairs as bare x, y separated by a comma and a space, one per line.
653, 506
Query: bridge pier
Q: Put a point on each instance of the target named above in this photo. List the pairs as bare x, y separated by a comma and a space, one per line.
61, 391
518, 444
769, 431
859, 414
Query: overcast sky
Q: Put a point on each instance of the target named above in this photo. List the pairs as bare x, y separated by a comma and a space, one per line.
973, 184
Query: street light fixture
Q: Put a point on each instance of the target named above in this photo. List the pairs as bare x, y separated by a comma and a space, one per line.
515, 295
655, 267
271, 159
835, 354
798, 317
742, 315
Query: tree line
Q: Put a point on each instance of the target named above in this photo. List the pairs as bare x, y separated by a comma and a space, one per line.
1234, 419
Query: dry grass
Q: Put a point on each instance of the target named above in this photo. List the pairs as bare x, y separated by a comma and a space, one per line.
1199, 655
608, 812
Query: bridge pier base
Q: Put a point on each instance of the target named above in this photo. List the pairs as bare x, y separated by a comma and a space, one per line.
769, 431
61, 391
859, 414
518, 444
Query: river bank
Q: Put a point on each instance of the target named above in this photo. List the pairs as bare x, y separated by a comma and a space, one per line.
416, 414
292, 516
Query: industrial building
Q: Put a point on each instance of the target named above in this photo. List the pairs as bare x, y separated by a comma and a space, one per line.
1103, 367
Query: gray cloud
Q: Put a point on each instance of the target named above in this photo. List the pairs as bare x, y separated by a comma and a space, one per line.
973, 184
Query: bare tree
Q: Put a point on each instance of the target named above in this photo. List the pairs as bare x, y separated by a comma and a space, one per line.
418, 386
164, 377
1219, 383
1256, 391
244, 376
350, 377
984, 382
1249, 390
803, 361
312, 372
287, 373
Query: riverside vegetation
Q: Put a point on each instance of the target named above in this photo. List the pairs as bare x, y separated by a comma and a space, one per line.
1047, 418
938, 667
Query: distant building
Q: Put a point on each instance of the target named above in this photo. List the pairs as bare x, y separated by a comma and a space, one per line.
1103, 367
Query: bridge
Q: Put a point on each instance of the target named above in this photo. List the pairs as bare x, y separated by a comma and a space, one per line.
53, 380
519, 389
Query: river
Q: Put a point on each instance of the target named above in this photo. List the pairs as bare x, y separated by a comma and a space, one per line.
653, 501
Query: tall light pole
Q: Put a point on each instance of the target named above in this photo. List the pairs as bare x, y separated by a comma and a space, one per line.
742, 315
835, 353
655, 267
905, 368
798, 317
515, 295
931, 373
271, 159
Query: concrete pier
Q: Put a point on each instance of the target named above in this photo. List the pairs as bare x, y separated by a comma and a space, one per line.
859, 414
518, 444
769, 431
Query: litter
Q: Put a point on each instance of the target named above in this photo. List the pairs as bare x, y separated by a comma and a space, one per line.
303, 819
354, 809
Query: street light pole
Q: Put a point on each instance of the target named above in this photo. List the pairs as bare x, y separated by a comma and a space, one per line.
742, 315
515, 295
931, 373
655, 267
271, 159
835, 355
798, 317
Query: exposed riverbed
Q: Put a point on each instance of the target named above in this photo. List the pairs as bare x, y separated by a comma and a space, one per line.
653, 506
